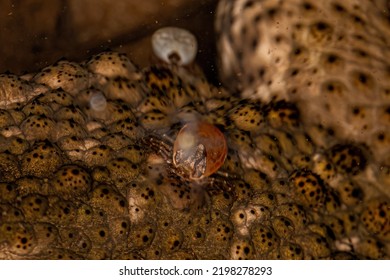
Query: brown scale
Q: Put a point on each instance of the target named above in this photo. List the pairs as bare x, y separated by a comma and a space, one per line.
37, 108
141, 235
100, 252
334, 227
71, 181
258, 180
291, 251
100, 236
141, 197
239, 218
32, 185
55, 99
158, 101
287, 142
46, 235
179, 193
9, 167
118, 110
16, 145
328, 68
41, 160
264, 239
19, 238
69, 76
333, 63
37, 127
71, 143
116, 141
120, 228
283, 115
333, 201
122, 169
247, 116
320, 32
219, 237
181, 96
109, 200
283, 226
6, 119
98, 155
134, 153
324, 168
87, 215
34, 206
160, 78
194, 235
381, 142
14, 92
232, 163
111, 64
351, 194
350, 159
155, 119
75, 239
295, 213
100, 174
120, 88
239, 140
67, 128
375, 218
268, 144
169, 239
70, 113
308, 189
316, 246
242, 249
7, 192
10, 214
370, 248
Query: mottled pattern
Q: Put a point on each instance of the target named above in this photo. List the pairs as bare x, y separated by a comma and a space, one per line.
86, 167
330, 57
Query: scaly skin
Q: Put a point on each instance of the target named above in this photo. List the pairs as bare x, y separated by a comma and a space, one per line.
330, 57
92, 186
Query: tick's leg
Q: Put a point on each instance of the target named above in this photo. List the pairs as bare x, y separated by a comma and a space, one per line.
217, 184
159, 146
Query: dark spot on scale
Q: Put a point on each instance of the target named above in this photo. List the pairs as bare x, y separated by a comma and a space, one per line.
307, 6
248, 4
75, 171
332, 58
321, 26
337, 7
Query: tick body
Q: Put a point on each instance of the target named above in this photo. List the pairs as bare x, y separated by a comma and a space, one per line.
199, 150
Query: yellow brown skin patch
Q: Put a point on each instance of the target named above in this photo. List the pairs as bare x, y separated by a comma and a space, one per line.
296, 51
135, 205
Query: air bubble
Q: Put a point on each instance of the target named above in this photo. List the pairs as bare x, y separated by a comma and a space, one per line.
98, 101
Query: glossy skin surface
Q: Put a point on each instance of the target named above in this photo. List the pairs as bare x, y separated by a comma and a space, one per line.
80, 182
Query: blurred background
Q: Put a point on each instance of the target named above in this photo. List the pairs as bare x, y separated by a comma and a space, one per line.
36, 33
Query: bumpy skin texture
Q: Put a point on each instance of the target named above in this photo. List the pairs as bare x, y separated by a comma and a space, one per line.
330, 57
100, 183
